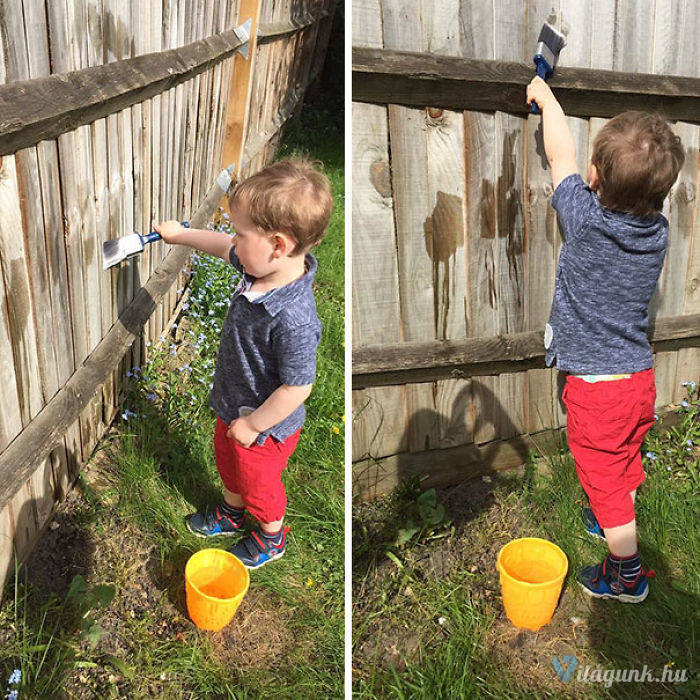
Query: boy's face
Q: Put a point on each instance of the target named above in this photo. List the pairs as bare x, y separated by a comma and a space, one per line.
257, 251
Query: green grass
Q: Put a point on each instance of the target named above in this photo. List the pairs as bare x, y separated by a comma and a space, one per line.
157, 467
450, 636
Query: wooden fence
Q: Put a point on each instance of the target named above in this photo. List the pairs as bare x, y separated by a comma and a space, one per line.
455, 243
113, 114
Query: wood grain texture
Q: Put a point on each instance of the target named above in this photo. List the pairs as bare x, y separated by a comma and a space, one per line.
19, 459
409, 78
46, 107
381, 365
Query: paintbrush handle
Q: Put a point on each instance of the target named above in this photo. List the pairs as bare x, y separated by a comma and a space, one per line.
153, 236
543, 71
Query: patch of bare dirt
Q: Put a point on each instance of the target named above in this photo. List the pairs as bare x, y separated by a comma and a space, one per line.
262, 635
484, 520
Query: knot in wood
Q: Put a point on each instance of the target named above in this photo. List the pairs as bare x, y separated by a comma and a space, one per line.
380, 178
434, 114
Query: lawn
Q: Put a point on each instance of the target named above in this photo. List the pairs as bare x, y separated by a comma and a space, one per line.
427, 611
99, 609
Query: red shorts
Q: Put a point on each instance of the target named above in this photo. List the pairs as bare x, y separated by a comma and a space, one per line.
255, 472
606, 424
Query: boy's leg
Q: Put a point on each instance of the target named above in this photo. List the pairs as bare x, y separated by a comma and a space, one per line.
260, 471
226, 518
605, 439
233, 499
622, 540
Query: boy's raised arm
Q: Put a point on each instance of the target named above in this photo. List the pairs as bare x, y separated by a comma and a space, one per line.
215, 243
558, 142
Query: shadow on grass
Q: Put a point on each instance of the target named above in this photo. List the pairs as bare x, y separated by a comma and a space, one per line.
48, 617
652, 634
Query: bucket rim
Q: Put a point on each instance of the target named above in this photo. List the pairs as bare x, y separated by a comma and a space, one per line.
557, 548
227, 555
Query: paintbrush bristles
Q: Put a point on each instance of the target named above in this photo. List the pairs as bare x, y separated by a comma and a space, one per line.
551, 38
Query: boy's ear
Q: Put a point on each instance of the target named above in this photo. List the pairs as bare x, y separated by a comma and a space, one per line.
593, 181
282, 245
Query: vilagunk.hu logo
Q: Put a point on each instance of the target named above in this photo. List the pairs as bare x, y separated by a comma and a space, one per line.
566, 666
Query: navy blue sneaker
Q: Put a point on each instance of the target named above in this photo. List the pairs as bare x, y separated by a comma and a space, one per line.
591, 523
256, 550
598, 582
214, 523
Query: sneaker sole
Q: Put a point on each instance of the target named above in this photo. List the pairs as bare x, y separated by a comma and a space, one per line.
218, 534
267, 561
623, 598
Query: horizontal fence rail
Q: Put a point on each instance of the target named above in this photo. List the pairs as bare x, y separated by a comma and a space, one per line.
273, 31
384, 76
44, 108
406, 363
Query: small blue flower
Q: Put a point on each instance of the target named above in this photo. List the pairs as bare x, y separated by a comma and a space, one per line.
652, 456
152, 397
689, 443
12, 695
684, 404
128, 414
15, 677
148, 344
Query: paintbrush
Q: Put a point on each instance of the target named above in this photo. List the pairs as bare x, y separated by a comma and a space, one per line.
114, 251
549, 44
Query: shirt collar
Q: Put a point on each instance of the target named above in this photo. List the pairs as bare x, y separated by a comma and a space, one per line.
279, 297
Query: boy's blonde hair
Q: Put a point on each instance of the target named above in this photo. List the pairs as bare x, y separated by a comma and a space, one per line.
638, 159
292, 197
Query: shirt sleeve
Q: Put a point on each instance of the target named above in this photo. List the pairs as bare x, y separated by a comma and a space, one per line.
295, 349
573, 201
233, 259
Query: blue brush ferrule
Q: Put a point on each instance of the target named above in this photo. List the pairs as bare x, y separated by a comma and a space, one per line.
150, 237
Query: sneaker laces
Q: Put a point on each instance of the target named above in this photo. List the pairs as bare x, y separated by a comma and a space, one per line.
215, 515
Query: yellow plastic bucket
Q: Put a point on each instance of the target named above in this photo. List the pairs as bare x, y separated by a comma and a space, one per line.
532, 571
215, 582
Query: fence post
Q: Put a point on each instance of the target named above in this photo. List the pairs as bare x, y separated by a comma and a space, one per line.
238, 107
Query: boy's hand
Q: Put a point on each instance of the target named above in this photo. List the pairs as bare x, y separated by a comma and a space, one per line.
169, 230
242, 432
538, 91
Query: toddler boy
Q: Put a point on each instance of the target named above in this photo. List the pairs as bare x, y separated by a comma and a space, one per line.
266, 363
615, 240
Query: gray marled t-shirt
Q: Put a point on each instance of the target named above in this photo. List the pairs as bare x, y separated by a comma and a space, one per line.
608, 268
265, 343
